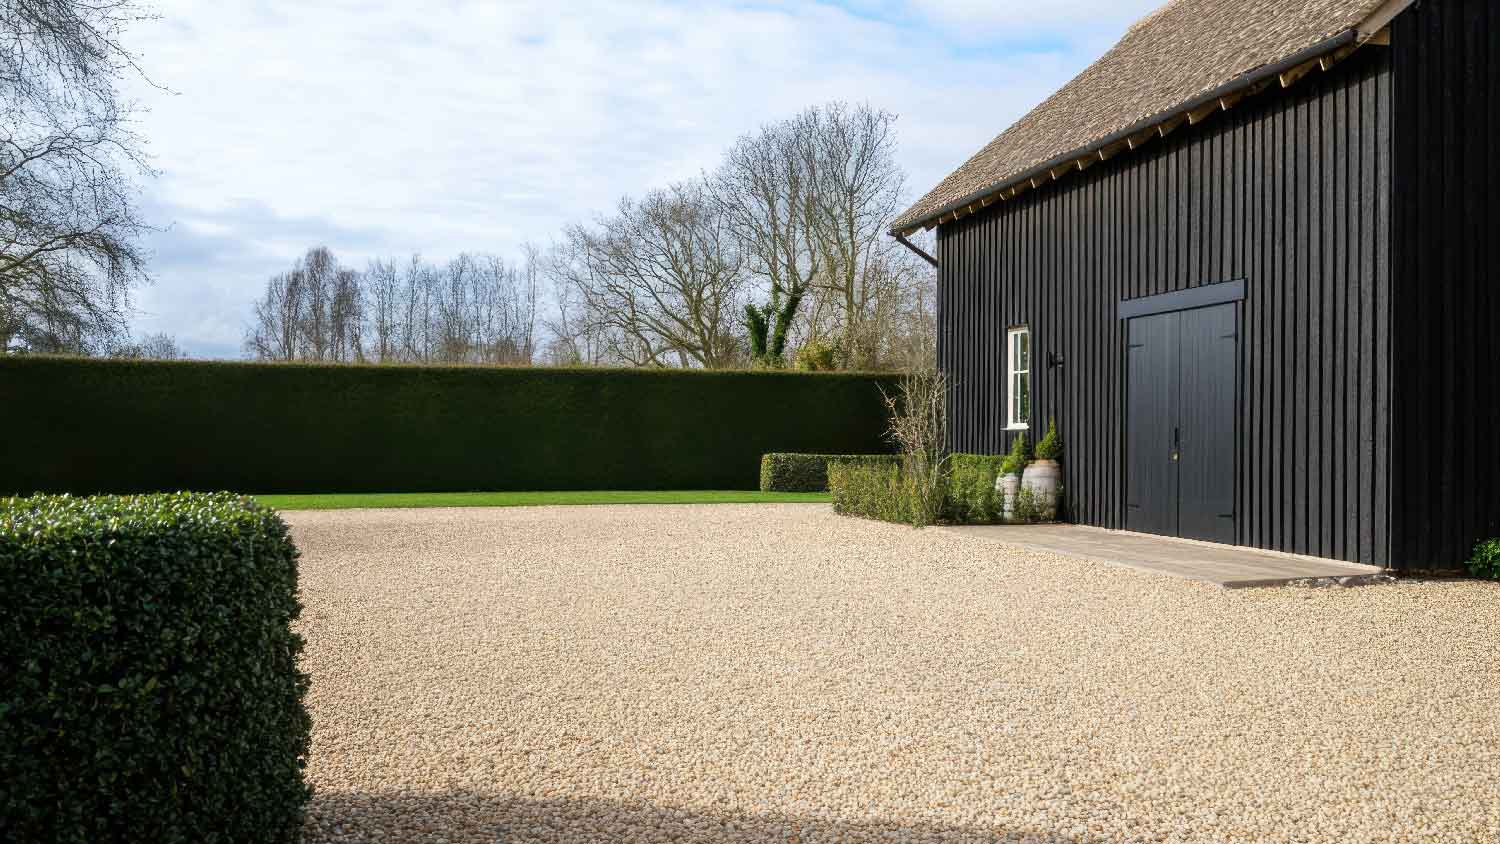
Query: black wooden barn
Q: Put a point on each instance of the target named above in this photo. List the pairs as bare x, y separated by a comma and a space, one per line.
1245, 261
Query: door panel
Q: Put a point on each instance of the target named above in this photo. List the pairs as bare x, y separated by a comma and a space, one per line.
1209, 361
1152, 408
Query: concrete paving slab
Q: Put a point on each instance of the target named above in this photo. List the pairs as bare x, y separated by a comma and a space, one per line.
1228, 566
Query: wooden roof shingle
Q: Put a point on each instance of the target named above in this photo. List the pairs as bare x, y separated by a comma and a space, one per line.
1178, 53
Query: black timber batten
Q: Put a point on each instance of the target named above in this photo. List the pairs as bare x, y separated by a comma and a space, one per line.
1446, 286
1289, 192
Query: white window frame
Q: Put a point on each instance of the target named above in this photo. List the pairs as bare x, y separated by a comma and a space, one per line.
1012, 405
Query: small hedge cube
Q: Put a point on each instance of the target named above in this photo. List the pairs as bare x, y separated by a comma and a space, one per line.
151, 689
780, 472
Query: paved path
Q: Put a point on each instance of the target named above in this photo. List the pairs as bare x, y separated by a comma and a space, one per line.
766, 674
1205, 562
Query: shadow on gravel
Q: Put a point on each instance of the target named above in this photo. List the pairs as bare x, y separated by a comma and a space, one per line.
465, 817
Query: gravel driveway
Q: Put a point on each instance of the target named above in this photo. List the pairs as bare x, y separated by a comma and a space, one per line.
775, 673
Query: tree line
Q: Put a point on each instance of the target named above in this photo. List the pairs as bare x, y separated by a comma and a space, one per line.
778, 257
775, 257
472, 309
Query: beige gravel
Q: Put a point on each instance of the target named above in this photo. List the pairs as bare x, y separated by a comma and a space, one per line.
777, 673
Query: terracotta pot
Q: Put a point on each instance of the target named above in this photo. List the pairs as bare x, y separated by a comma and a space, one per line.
1044, 479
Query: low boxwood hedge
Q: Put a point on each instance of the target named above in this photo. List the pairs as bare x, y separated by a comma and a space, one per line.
870, 491
780, 472
877, 490
151, 689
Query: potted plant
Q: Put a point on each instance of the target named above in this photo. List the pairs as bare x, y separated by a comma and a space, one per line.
1044, 476
1008, 485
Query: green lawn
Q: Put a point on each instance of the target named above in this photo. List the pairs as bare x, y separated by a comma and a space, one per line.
346, 501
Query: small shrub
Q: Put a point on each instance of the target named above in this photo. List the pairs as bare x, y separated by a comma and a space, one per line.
1051, 446
919, 426
1026, 511
817, 356
1486, 560
150, 688
808, 472
1019, 456
972, 497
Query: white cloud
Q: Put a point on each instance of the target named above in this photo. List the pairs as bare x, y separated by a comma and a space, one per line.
435, 127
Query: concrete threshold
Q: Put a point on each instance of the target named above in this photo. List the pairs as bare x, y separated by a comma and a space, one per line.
1227, 566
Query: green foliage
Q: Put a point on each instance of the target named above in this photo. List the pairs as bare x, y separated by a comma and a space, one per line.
808, 472
767, 328
1051, 446
881, 490
93, 426
1019, 456
817, 356
757, 326
1026, 510
1486, 560
972, 499
150, 689
872, 491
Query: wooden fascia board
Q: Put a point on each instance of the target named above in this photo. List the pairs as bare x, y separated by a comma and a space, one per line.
1381, 18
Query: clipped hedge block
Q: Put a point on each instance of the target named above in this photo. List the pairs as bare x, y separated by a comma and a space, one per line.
870, 491
151, 689
153, 426
781, 472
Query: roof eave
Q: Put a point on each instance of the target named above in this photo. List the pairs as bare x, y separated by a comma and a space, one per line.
1229, 90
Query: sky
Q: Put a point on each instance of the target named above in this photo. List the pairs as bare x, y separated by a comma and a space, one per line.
386, 129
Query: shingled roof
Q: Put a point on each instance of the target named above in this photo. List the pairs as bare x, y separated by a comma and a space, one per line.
1168, 65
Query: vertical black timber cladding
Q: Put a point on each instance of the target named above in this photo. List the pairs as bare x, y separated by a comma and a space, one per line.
1445, 479
1289, 190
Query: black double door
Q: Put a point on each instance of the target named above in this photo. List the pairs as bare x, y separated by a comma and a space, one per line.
1181, 423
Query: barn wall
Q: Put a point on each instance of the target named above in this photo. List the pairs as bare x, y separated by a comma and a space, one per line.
1447, 418
1289, 191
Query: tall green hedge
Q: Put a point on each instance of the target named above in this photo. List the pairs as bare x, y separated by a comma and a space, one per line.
150, 689
91, 426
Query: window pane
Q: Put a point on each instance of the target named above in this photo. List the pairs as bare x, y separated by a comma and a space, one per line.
1024, 340
1023, 395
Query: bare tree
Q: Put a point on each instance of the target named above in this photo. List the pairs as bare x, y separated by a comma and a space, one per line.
576, 338
859, 190
764, 188
660, 281
473, 309
275, 331
808, 200
919, 427
160, 346
69, 230
383, 301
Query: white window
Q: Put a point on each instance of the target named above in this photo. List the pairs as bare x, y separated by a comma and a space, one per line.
1018, 357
